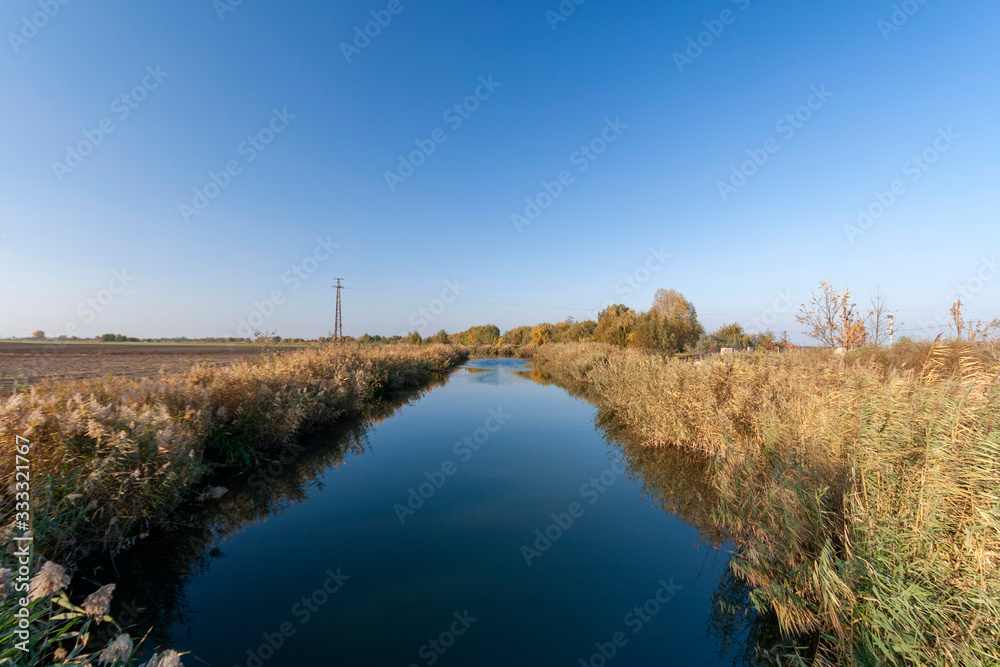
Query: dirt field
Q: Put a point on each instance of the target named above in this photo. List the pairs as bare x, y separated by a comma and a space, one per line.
28, 363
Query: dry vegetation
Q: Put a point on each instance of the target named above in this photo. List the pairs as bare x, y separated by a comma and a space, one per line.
109, 454
862, 492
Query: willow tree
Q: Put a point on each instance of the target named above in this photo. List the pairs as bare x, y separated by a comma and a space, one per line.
670, 325
614, 324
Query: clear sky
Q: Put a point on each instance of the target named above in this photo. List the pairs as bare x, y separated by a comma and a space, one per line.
114, 113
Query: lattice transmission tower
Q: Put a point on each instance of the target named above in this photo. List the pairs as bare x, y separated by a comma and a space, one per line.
338, 323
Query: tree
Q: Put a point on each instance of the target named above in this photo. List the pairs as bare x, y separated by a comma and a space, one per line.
518, 336
542, 334
831, 318
650, 332
440, 337
481, 335
766, 342
877, 322
413, 338
732, 335
671, 324
580, 331
614, 324
38, 334
852, 331
820, 314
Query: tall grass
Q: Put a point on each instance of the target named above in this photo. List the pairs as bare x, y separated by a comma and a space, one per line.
111, 455
863, 497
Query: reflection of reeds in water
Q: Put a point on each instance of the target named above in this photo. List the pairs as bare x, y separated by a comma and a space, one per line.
862, 498
679, 482
110, 455
153, 575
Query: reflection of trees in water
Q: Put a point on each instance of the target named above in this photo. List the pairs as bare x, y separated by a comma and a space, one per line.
683, 484
152, 576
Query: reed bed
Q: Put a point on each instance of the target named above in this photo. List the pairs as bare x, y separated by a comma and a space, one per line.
863, 497
110, 456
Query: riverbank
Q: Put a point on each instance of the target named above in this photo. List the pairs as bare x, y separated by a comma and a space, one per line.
862, 495
114, 459
109, 456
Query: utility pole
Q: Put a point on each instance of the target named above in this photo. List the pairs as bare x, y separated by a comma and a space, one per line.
892, 329
338, 323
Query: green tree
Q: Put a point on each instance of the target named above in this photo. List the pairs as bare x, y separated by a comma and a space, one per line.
732, 335
614, 324
440, 337
413, 338
671, 324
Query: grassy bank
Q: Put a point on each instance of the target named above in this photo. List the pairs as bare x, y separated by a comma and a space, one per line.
863, 495
108, 456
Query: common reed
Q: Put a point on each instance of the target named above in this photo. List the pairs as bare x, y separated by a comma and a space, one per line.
862, 496
112, 454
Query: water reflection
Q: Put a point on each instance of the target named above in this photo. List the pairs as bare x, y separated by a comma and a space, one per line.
153, 575
683, 484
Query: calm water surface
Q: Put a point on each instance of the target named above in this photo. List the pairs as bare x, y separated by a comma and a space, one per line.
434, 543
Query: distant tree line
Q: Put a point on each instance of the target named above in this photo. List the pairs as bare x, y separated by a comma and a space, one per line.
670, 326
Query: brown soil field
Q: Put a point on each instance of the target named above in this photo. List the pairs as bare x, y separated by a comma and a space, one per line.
29, 363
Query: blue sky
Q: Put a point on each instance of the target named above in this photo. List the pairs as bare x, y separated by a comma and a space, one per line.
889, 92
